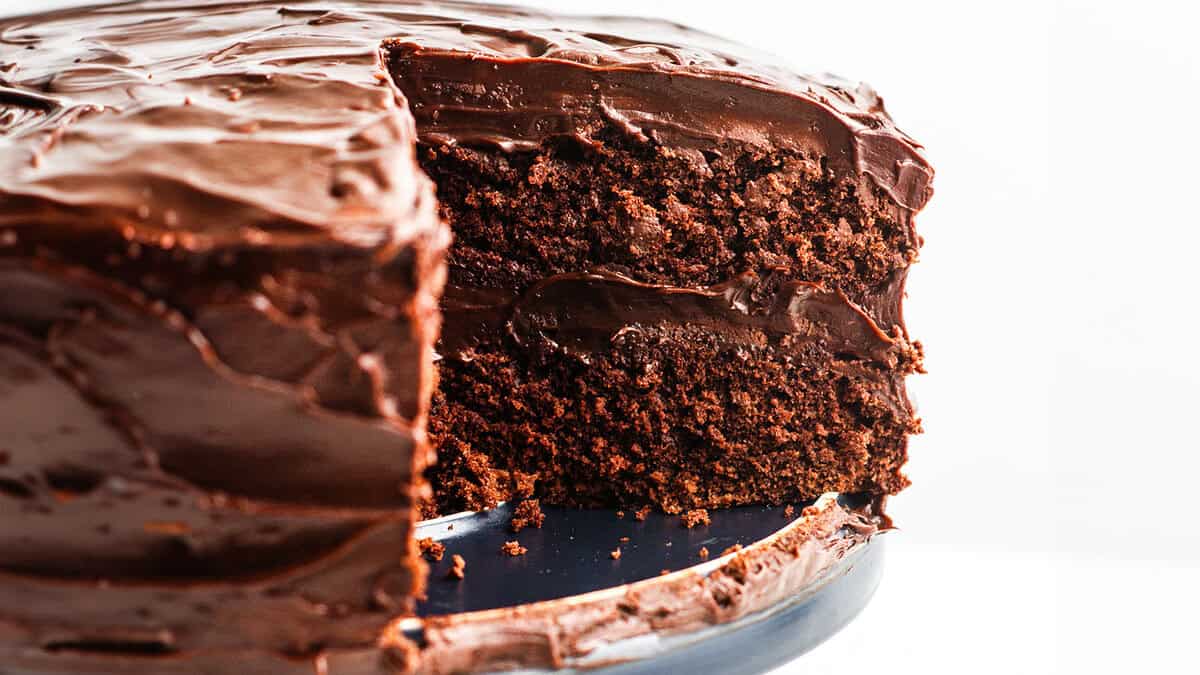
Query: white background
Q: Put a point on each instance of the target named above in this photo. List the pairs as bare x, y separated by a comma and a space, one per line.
1050, 525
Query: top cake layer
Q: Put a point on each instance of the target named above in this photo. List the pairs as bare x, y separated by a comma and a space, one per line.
267, 122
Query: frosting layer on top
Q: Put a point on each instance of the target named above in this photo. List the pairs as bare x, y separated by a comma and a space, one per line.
264, 121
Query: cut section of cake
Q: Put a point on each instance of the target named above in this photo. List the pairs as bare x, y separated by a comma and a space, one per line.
677, 273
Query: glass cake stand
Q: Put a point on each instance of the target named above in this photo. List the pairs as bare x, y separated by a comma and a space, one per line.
571, 555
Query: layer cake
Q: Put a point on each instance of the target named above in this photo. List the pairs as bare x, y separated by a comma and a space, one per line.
234, 329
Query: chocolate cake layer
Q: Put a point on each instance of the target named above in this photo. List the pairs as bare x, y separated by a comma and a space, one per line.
622, 353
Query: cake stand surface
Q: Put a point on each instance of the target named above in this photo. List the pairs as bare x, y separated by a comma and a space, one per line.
571, 556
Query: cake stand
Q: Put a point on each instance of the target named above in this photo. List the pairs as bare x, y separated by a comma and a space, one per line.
570, 563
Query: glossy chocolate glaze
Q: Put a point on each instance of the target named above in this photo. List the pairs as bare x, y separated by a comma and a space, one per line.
224, 471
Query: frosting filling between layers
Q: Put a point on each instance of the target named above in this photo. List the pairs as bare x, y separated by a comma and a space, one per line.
583, 313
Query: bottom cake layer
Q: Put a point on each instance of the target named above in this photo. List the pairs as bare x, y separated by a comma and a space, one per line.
593, 389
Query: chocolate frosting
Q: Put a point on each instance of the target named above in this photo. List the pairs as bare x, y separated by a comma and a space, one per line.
584, 313
270, 523
146, 113
516, 88
221, 124
193, 505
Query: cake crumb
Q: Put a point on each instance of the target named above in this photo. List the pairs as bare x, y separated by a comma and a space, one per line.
695, 517
513, 548
523, 484
616, 554
732, 549
156, 527
624, 540
458, 568
641, 513
663, 573
789, 511
620, 514
704, 553
432, 550
527, 514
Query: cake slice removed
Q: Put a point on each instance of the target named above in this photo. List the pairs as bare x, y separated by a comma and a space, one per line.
677, 272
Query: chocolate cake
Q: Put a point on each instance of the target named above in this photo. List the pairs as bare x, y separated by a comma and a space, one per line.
677, 273
233, 327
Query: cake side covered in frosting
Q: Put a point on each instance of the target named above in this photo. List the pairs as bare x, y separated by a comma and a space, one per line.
221, 265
